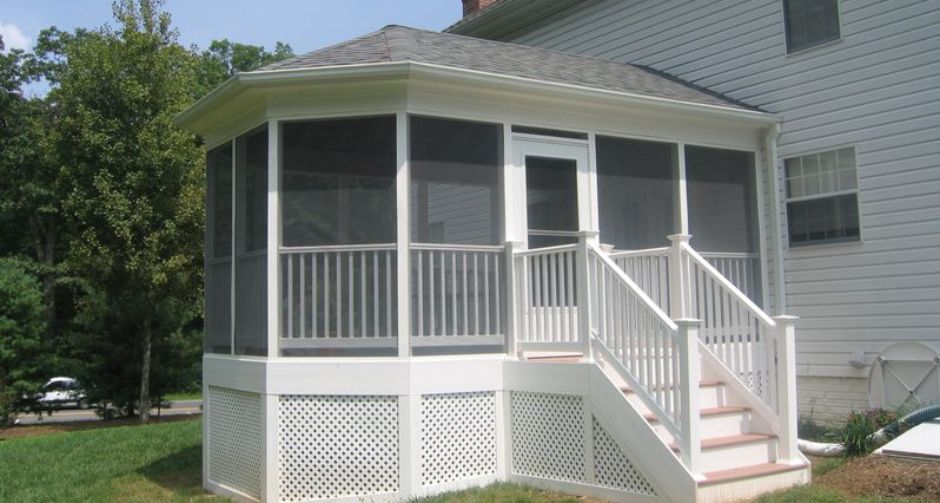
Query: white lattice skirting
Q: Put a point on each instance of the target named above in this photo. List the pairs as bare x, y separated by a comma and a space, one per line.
350, 447
235, 440
337, 446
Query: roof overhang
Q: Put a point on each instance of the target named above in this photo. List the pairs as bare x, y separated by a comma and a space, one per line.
407, 70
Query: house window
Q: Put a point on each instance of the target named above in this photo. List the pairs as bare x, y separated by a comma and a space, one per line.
810, 22
822, 197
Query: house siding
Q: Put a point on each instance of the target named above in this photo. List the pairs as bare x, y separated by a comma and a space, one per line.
877, 89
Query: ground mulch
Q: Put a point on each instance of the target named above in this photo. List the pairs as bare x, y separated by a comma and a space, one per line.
885, 477
35, 430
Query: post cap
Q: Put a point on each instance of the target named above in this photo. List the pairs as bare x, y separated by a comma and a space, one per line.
688, 322
679, 237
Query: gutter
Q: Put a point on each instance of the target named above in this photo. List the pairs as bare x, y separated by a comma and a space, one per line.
410, 68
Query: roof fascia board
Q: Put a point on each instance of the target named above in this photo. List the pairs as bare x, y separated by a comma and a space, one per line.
460, 75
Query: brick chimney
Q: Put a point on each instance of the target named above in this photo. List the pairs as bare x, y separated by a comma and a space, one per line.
473, 6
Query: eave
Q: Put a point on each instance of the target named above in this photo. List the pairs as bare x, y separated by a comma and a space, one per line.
408, 70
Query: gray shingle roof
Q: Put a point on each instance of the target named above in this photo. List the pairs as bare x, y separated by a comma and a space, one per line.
400, 44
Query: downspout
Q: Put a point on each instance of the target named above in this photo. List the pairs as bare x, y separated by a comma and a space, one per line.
770, 148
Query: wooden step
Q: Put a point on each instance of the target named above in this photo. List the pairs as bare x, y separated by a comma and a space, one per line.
705, 383
745, 472
711, 411
731, 440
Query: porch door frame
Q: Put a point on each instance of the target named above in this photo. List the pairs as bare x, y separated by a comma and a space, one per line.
579, 151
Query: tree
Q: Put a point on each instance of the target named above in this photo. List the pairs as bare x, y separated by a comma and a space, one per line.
224, 59
135, 192
21, 327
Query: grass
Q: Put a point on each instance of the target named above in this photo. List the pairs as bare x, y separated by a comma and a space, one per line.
502, 493
173, 397
159, 462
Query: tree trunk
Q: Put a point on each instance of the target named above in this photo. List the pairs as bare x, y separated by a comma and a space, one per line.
145, 376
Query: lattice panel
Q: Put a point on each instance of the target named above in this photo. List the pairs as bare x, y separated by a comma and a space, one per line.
612, 468
548, 436
336, 446
458, 436
235, 423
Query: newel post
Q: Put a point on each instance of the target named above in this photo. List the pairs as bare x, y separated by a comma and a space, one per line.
584, 291
689, 405
787, 406
513, 303
678, 278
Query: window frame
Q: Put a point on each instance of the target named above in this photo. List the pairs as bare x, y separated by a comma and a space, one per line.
787, 200
815, 45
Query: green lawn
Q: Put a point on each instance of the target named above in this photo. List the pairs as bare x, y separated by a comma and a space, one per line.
159, 462
183, 396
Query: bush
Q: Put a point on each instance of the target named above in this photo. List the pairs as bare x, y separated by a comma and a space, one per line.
856, 433
21, 327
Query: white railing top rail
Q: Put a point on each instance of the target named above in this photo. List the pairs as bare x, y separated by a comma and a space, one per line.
714, 254
337, 248
630, 253
729, 286
547, 250
635, 289
457, 247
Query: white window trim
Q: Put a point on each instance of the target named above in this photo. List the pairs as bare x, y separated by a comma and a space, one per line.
836, 193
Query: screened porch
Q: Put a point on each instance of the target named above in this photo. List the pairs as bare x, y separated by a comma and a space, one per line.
464, 235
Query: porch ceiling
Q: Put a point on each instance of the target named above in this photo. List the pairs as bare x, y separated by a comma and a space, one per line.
404, 49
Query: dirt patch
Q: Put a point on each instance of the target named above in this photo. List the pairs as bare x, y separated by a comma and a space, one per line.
35, 430
886, 477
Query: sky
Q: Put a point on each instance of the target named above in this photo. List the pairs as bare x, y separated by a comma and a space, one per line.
304, 24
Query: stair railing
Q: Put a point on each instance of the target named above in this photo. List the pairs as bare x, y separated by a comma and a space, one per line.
656, 356
757, 350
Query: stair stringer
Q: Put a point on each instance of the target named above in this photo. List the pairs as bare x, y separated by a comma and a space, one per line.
638, 441
602, 400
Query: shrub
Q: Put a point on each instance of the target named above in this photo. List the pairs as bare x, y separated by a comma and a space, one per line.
856, 433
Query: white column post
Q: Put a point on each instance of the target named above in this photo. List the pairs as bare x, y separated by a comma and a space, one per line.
678, 280
682, 197
787, 406
403, 232
270, 401
689, 405
274, 238
584, 291
512, 297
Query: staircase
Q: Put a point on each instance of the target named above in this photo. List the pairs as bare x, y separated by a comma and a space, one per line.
715, 380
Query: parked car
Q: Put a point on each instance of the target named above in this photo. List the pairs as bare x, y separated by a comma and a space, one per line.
63, 392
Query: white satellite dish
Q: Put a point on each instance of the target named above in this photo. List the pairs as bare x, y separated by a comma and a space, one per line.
905, 376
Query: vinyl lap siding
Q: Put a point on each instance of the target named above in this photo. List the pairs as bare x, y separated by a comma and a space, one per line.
877, 89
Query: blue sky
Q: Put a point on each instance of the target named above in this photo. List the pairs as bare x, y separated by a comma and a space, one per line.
305, 25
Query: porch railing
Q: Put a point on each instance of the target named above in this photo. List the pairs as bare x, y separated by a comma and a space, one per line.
339, 297
732, 327
546, 280
458, 295
743, 270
